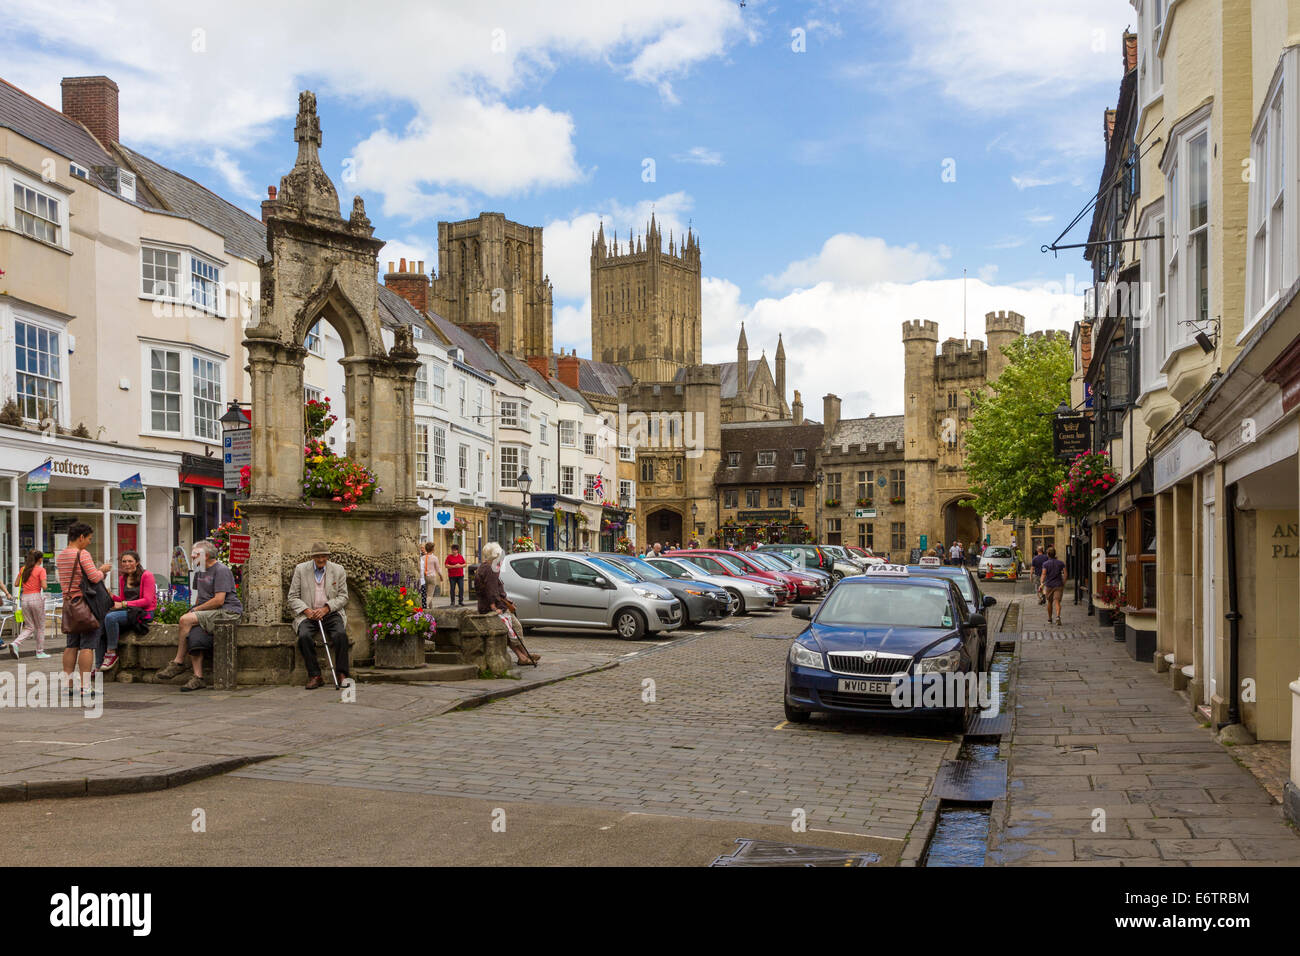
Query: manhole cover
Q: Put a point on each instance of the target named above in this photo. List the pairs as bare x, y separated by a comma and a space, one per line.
767, 853
971, 781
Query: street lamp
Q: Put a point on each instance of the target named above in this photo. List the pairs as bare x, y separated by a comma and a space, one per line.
817, 506
525, 482
695, 525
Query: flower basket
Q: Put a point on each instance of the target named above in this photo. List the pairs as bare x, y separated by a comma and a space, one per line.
624, 545
897, 501
327, 475
832, 502
523, 543
398, 627
1089, 480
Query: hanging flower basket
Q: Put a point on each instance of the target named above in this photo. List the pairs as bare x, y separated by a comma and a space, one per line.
523, 543
327, 475
623, 545
1090, 479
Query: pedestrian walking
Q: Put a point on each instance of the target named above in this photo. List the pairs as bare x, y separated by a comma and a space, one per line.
1053, 578
456, 576
954, 553
430, 575
31, 593
1037, 565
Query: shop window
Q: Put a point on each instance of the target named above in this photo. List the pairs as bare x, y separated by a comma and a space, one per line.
1140, 557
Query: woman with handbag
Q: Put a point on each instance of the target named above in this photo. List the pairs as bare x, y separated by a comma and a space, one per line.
31, 586
83, 592
133, 607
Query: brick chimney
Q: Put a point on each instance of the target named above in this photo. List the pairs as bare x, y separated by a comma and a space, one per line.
568, 366
796, 408
92, 101
487, 331
410, 283
540, 364
1085, 346
830, 414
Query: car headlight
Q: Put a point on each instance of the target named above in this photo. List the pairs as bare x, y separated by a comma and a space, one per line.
646, 593
941, 663
696, 593
767, 589
802, 656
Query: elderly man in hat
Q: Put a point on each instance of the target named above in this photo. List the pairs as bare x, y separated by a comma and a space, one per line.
317, 595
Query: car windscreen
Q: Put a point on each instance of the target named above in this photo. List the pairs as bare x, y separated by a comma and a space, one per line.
767, 561
729, 562
783, 562
998, 553
644, 568
670, 568
614, 570
961, 579
881, 604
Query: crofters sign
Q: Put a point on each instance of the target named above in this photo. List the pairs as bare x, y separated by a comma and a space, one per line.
69, 467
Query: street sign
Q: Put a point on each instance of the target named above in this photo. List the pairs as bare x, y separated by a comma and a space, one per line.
864, 512
237, 451
925, 541
444, 518
239, 548
1071, 436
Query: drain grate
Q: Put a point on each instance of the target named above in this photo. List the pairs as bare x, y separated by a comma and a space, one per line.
971, 781
768, 853
1011, 620
998, 726
131, 704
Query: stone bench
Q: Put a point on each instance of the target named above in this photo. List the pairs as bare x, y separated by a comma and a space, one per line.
477, 639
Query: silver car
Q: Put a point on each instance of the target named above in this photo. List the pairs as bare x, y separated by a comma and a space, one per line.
746, 595
998, 561
563, 589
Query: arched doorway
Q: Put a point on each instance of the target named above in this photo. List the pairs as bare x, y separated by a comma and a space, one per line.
664, 526
961, 523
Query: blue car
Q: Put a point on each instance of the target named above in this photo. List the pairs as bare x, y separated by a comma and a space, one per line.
888, 643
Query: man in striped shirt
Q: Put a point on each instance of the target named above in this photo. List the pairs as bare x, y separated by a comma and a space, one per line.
80, 649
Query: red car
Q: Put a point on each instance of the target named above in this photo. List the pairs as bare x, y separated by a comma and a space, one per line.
786, 582
807, 585
722, 564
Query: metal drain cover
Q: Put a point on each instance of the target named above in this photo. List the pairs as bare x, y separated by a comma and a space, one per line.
131, 704
971, 781
767, 853
998, 726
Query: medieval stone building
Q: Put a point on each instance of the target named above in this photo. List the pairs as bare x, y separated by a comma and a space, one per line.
491, 281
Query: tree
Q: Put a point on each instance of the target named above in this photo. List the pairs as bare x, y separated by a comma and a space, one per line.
1009, 459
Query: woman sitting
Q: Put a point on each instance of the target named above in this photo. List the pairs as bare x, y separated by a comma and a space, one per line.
492, 599
133, 607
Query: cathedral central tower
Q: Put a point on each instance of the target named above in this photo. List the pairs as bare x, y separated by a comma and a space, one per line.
645, 303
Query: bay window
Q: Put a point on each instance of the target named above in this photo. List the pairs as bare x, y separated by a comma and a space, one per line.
38, 363
163, 274
1271, 253
1187, 245
514, 459
439, 455
421, 452
186, 393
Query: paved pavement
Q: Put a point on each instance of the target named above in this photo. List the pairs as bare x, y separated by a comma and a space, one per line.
1108, 767
713, 743
150, 736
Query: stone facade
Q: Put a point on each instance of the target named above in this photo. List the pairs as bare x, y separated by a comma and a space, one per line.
490, 279
322, 266
863, 480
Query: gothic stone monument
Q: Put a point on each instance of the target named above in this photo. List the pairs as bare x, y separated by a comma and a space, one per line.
322, 266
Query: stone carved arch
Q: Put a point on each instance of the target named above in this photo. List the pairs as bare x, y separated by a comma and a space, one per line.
331, 303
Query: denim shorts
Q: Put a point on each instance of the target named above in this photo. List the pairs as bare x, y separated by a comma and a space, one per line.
86, 641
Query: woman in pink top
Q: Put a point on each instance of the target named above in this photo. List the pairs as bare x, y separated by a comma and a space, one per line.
80, 649
31, 585
133, 606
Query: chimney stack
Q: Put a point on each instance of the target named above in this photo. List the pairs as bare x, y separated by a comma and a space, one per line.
487, 331
830, 414
567, 369
410, 285
796, 408
540, 364
92, 101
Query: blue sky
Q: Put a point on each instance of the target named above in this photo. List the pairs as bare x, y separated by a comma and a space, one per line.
815, 177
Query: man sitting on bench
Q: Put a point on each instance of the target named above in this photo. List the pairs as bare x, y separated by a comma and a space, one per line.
317, 595
216, 601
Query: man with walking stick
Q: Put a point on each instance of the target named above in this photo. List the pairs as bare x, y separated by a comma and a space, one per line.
318, 593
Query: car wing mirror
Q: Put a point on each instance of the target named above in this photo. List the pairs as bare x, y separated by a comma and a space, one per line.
599, 582
976, 620
990, 600
803, 612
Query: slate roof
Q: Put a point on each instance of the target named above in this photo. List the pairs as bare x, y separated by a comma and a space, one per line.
869, 431
245, 235
783, 437
526, 373
727, 373
602, 378
477, 352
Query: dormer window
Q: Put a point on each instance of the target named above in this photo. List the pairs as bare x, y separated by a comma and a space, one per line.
766, 459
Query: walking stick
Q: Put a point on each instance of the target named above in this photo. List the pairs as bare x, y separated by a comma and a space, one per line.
328, 656
505, 617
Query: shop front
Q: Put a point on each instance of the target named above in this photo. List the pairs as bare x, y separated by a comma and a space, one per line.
507, 524
84, 484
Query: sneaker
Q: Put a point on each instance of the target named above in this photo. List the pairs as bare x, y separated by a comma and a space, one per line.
109, 660
194, 683
42, 656
13, 649
1058, 620
170, 671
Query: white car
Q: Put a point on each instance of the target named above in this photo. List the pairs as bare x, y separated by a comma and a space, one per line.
745, 595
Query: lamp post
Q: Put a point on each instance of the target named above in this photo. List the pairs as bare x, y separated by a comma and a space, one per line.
525, 482
817, 506
695, 526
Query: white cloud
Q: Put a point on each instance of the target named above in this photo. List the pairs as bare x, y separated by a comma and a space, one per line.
826, 327
223, 81
701, 155
411, 249
859, 260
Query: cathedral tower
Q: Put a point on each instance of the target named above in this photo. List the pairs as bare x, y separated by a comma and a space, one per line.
645, 303
490, 274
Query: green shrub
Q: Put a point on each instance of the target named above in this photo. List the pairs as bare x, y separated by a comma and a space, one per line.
169, 612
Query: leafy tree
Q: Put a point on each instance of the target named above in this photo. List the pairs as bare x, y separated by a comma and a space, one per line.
1009, 459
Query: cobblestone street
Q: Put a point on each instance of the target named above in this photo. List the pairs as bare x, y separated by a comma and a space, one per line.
712, 743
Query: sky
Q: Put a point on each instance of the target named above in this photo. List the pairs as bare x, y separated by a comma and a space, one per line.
844, 163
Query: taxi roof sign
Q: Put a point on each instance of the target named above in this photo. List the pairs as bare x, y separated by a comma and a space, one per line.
930, 561
888, 570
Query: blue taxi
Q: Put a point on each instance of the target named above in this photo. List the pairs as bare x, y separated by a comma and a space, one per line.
887, 643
